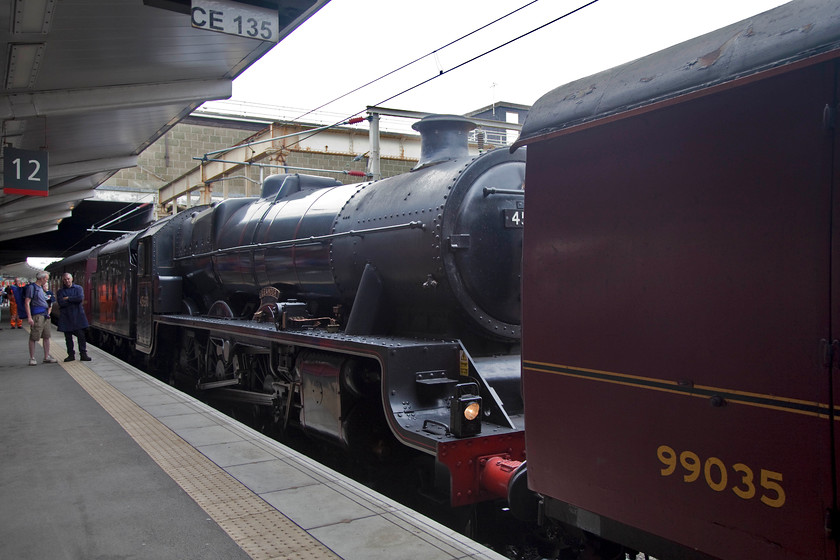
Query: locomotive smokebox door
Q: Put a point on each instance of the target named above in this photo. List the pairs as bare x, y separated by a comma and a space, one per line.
465, 412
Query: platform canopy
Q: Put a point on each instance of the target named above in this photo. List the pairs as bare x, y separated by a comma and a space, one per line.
87, 85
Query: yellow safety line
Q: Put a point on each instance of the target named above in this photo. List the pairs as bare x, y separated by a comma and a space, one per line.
257, 527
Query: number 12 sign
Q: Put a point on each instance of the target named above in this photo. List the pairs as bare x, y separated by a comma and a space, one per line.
25, 172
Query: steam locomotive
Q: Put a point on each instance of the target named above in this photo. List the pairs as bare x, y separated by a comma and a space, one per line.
376, 316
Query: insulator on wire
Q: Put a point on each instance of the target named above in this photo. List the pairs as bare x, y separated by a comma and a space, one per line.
355, 120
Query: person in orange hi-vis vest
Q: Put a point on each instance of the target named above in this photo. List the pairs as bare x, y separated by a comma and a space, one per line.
14, 319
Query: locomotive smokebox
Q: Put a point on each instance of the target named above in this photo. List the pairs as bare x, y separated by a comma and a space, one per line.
442, 138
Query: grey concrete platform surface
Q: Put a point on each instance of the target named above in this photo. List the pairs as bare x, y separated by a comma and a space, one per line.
101, 461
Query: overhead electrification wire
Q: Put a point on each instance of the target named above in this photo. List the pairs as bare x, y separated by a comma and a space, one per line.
485, 53
418, 59
120, 213
444, 72
115, 216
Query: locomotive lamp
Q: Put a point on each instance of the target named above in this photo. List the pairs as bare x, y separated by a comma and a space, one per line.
465, 412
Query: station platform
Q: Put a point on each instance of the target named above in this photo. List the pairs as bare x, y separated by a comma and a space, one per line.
101, 461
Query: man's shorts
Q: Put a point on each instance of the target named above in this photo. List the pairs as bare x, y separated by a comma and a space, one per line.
41, 328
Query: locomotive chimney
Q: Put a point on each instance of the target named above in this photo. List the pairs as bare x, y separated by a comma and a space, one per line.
442, 138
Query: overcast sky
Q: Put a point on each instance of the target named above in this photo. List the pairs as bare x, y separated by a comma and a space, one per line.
350, 42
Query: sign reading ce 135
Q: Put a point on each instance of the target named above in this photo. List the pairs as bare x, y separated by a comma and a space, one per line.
235, 18
25, 172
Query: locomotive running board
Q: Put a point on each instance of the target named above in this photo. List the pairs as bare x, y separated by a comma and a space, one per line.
409, 407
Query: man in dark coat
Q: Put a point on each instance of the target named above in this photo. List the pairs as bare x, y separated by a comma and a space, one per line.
71, 319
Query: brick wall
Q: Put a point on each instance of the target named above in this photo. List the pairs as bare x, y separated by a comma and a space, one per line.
171, 156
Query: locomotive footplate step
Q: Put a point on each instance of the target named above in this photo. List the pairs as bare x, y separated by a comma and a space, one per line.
102, 460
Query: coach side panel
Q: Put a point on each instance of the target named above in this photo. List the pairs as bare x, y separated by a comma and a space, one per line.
676, 292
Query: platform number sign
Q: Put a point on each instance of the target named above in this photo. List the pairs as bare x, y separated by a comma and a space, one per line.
25, 172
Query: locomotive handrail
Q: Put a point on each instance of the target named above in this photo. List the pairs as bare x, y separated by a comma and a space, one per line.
304, 240
491, 190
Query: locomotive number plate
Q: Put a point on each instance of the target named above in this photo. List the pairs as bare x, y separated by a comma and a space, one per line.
514, 218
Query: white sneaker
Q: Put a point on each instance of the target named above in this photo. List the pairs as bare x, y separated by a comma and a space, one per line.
50, 360
33, 362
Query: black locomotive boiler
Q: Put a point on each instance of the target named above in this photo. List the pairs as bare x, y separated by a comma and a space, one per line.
376, 316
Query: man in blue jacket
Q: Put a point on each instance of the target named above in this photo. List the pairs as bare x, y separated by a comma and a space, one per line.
72, 319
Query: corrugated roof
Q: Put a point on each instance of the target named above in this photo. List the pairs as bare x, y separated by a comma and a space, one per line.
94, 82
